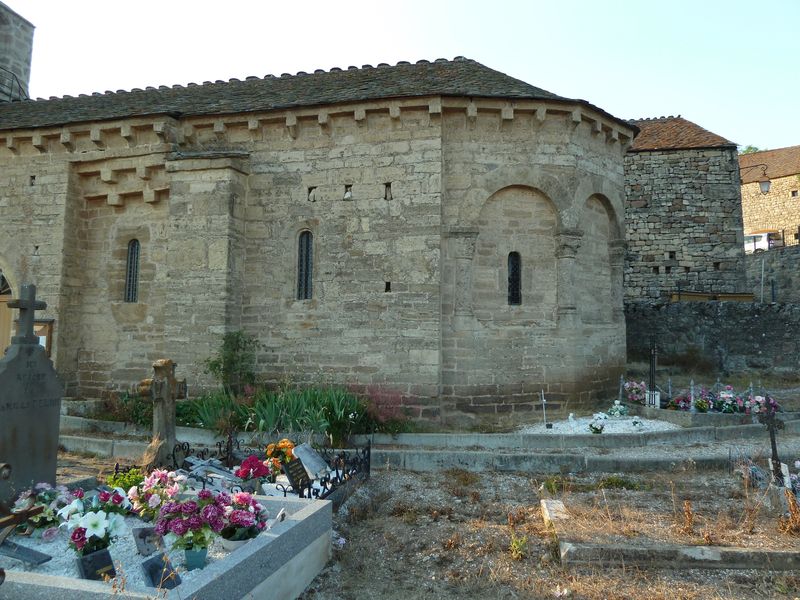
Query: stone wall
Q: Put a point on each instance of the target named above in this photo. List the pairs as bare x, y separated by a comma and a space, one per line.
518, 190
16, 49
781, 274
413, 206
683, 223
777, 210
730, 337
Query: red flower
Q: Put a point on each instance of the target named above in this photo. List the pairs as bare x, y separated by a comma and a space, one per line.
78, 537
104, 496
116, 498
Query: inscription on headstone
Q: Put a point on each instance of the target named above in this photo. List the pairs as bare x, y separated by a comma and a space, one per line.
30, 404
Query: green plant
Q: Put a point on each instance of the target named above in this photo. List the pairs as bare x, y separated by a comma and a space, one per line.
616, 482
519, 546
221, 412
234, 363
125, 479
127, 408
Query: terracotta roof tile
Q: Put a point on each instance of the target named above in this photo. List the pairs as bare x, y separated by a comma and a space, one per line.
674, 133
460, 77
781, 162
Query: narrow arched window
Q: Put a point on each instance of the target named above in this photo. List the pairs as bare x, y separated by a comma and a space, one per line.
514, 278
305, 265
132, 272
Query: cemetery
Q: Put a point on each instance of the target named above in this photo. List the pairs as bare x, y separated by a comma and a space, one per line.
685, 492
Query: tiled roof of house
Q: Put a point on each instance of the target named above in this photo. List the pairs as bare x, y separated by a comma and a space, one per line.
781, 162
674, 133
459, 77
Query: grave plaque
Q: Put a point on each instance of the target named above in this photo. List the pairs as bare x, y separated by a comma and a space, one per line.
30, 404
147, 540
315, 466
159, 573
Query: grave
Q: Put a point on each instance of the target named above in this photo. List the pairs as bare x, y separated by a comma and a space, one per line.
30, 404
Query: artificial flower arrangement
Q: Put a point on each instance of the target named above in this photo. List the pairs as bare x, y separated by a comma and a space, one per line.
157, 488
192, 524
243, 517
281, 451
52, 499
253, 469
110, 502
636, 391
618, 409
598, 422
680, 402
93, 530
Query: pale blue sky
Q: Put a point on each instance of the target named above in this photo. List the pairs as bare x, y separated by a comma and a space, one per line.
728, 65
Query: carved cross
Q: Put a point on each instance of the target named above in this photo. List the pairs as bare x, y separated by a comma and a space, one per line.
27, 305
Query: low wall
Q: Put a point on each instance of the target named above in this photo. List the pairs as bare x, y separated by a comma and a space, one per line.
727, 336
781, 274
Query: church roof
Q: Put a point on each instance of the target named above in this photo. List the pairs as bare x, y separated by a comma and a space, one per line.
781, 162
458, 77
674, 133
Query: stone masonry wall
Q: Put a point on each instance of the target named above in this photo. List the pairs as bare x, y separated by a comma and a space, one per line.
732, 336
551, 191
16, 49
777, 210
781, 274
683, 223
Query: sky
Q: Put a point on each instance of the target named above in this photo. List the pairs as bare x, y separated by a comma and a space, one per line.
728, 65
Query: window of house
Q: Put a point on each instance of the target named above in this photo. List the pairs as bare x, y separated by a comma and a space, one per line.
794, 193
305, 265
132, 272
514, 278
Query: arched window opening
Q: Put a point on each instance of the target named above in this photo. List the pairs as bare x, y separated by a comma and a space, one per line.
132, 272
5, 288
304, 265
514, 278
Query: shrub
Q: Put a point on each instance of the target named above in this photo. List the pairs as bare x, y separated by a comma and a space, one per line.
234, 363
125, 479
128, 408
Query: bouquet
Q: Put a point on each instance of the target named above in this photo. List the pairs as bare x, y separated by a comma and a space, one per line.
244, 518
636, 390
47, 496
192, 524
598, 422
93, 531
618, 410
252, 468
156, 489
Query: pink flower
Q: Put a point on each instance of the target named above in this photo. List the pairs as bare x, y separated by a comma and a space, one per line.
204, 494
77, 493
195, 522
242, 498
173, 490
50, 534
116, 499
211, 512
133, 493
154, 501
179, 527
104, 496
189, 507
78, 537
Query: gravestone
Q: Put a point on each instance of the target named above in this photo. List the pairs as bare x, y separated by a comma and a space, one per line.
30, 404
315, 465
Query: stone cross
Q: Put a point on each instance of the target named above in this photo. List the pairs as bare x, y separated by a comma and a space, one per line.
27, 305
30, 405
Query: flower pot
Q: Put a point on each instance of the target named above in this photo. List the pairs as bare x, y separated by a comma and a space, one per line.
253, 486
231, 545
195, 559
97, 565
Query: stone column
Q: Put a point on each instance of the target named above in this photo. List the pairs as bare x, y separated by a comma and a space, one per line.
616, 254
567, 243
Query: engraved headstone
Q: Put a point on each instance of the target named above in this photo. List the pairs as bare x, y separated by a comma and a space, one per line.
159, 573
30, 404
315, 466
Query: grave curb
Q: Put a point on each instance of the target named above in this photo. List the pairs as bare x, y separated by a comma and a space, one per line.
556, 517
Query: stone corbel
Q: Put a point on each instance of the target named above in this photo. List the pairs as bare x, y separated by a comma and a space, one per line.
324, 121
507, 113
66, 140
39, 142
291, 126
142, 172
472, 112
11, 144
541, 114
127, 133
394, 110
96, 137
219, 128
435, 106
360, 115
612, 137
576, 117
597, 128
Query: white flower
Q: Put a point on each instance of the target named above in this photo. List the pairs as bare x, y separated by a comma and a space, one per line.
797, 465
95, 523
154, 501
616, 402
116, 524
74, 507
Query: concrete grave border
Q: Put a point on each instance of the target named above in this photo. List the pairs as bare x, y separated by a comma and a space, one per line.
574, 554
284, 561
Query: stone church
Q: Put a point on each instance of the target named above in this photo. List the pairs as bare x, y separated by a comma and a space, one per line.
439, 231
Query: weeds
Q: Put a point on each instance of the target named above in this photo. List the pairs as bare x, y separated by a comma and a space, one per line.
791, 524
518, 548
